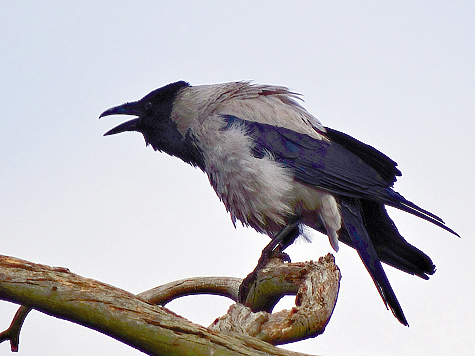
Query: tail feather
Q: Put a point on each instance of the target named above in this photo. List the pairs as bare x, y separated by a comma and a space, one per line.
355, 227
390, 246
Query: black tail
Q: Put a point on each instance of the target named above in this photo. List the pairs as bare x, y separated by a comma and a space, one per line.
359, 238
390, 246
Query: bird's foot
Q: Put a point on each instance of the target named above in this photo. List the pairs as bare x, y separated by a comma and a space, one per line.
275, 249
267, 255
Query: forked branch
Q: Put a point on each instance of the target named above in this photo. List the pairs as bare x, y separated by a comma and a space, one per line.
150, 328
13, 332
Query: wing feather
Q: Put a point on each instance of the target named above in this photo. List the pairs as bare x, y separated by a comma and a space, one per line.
330, 166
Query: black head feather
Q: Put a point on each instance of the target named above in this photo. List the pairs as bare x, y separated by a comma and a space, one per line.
154, 121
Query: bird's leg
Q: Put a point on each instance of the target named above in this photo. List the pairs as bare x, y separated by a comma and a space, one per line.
274, 249
279, 243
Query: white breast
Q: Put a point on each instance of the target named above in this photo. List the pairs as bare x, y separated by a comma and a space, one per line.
255, 191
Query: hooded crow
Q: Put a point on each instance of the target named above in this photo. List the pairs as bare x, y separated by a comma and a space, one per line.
276, 168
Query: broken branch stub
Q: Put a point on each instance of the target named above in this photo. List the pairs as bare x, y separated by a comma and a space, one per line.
315, 285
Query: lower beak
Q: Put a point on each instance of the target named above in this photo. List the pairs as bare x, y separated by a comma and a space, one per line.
131, 125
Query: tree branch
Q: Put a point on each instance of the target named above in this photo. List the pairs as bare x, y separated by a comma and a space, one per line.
316, 286
13, 332
223, 286
129, 318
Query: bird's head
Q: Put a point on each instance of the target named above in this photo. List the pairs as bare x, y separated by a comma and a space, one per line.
153, 120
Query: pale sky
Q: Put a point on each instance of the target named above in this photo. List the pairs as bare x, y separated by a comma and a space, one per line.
397, 75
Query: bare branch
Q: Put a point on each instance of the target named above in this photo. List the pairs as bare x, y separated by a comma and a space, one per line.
223, 286
315, 285
150, 328
13, 332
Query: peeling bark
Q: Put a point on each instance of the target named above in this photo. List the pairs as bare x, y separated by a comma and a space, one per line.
316, 286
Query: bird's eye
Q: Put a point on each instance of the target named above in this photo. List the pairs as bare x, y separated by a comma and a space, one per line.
148, 105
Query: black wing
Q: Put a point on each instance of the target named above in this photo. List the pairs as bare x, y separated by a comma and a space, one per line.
362, 178
332, 166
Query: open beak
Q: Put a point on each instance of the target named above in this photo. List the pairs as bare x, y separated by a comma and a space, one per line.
125, 109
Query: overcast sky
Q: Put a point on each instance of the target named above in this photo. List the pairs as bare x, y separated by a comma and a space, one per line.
397, 75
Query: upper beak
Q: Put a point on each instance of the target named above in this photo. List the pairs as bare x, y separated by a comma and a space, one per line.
125, 109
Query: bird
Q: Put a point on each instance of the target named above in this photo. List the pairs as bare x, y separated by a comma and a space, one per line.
277, 169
